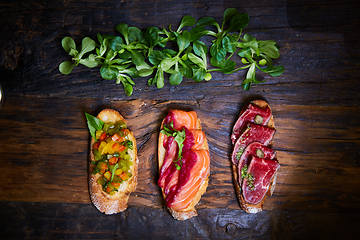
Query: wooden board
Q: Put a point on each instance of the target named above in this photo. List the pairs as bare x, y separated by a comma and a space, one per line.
316, 105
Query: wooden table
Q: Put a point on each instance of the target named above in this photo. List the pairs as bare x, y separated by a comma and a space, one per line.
44, 139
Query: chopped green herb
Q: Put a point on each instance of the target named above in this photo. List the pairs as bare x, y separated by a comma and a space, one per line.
116, 166
239, 153
179, 137
248, 176
129, 144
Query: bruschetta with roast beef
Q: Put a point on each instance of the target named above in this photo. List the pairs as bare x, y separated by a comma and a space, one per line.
113, 161
254, 162
184, 162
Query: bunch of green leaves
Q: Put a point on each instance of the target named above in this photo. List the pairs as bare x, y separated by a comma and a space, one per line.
188, 60
87, 45
229, 39
135, 53
179, 137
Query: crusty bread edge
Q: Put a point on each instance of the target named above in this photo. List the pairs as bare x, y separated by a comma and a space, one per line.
190, 211
105, 203
253, 208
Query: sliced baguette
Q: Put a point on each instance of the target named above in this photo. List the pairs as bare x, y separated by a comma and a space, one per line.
247, 207
106, 203
190, 211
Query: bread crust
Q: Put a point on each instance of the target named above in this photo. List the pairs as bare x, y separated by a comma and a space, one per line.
247, 207
190, 211
106, 203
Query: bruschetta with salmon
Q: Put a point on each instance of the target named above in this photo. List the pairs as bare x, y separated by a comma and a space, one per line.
184, 162
113, 161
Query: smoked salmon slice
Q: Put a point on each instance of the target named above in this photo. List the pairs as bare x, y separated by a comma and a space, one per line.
183, 177
197, 169
184, 119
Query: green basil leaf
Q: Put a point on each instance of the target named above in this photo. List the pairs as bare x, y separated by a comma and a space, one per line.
145, 72
226, 66
68, 43
228, 14
124, 30
183, 41
176, 78
108, 73
116, 43
200, 48
151, 81
128, 88
199, 74
226, 44
66, 67
185, 69
167, 63
238, 22
198, 61
135, 34
186, 21
87, 45
156, 57
206, 21
137, 58
273, 71
90, 61
269, 48
73, 52
152, 36
93, 124
159, 78
217, 50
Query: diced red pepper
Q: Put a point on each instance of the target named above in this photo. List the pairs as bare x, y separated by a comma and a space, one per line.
102, 136
115, 184
96, 145
103, 167
108, 189
124, 176
113, 160
118, 147
125, 131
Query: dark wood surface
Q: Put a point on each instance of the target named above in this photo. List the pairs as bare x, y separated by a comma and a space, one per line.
44, 138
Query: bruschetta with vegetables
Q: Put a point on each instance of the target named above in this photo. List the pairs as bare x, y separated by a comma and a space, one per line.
113, 161
184, 162
254, 162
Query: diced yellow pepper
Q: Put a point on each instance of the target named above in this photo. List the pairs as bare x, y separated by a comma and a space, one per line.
101, 147
98, 134
107, 175
118, 172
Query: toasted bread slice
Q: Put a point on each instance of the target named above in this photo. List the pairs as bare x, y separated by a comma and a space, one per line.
104, 202
253, 208
190, 211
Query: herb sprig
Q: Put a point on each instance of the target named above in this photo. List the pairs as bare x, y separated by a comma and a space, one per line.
248, 176
179, 137
135, 53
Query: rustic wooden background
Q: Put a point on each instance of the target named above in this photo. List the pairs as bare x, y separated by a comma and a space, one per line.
44, 138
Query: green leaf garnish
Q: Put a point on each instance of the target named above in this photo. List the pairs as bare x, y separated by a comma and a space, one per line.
248, 176
93, 124
179, 137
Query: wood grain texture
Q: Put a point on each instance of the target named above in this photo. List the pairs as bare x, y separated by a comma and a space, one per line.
44, 142
45, 156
